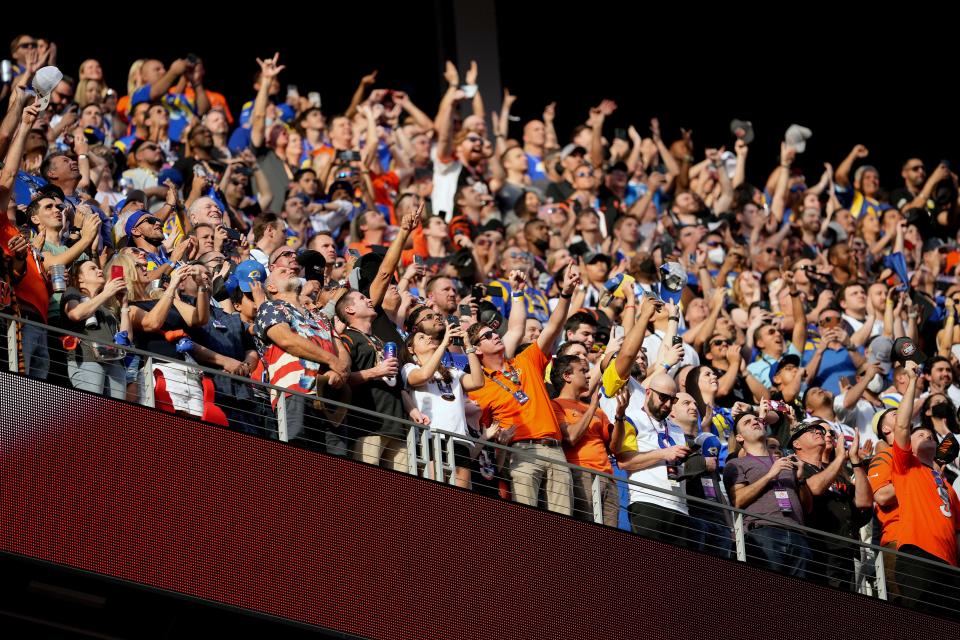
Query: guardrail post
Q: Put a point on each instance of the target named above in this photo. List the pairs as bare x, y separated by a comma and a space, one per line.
283, 434
880, 575
412, 451
740, 540
438, 456
12, 347
597, 504
451, 461
147, 382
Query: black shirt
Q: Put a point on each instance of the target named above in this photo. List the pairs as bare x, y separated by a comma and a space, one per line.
835, 512
376, 395
157, 342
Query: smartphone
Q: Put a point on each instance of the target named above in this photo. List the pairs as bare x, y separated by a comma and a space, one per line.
292, 90
418, 260
676, 340
233, 234
465, 310
314, 99
620, 134
354, 253
192, 59
477, 292
116, 272
495, 292
455, 321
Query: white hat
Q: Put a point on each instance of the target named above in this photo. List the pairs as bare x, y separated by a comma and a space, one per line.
44, 82
797, 137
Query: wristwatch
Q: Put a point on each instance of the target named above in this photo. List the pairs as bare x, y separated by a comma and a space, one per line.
858, 465
470, 350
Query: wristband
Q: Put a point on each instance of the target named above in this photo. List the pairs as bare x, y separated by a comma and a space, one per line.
629, 306
618, 418
566, 296
82, 156
859, 465
674, 318
795, 294
517, 294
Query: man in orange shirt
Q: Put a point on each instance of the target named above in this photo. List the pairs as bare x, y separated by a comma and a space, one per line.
929, 525
588, 437
880, 475
514, 393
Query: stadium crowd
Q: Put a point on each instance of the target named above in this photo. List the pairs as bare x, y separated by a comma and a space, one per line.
629, 304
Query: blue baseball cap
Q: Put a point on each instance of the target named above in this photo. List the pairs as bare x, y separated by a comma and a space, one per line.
249, 270
170, 174
134, 220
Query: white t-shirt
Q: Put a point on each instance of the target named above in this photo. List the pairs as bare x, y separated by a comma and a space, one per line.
651, 345
856, 325
445, 178
444, 414
859, 416
647, 439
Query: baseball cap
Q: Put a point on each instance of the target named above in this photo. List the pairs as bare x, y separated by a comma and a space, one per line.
592, 256
94, 135
571, 149
797, 137
44, 82
905, 349
802, 427
249, 270
491, 316
877, 420
337, 186
134, 220
879, 352
742, 129
134, 195
785, 361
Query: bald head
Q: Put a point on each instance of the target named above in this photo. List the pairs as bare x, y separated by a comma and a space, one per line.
661, 396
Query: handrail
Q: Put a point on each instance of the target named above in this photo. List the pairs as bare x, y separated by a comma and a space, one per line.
737, 514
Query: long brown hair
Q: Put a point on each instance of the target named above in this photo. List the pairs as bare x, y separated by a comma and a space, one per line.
412, 358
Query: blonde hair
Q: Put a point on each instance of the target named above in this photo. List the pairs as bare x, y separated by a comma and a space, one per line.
130, 278
81, 93
133, 76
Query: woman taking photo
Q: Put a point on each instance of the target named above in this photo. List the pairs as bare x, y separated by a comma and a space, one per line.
97, 308
439, 392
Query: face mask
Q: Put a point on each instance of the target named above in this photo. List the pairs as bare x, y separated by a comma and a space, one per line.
716, 255
876, 385
941, 411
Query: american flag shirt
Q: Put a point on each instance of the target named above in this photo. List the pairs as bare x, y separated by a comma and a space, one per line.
284, 369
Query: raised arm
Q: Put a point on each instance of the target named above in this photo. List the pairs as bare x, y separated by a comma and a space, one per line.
366, 82
905, 410
269, 69
571, 278
159, 88
842, 177
777, 207
799, 337
633, 340
517, 322
378, 289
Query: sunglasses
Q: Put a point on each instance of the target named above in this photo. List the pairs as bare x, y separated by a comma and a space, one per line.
284, 254
720, 343
27, 45
665, 397
150, 220
474, 139
584, 174
486, 335
826, 322
338, 264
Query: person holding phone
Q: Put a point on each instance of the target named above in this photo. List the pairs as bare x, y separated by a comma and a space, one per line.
96, 306
439, 392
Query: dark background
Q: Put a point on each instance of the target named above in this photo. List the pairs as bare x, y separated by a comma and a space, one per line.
884, 80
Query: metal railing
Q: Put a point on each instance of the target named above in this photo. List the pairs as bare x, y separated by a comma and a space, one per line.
429, 452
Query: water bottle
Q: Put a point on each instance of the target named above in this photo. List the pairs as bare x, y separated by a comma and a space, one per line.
390, 351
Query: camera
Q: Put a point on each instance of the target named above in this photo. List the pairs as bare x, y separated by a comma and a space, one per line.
348, 156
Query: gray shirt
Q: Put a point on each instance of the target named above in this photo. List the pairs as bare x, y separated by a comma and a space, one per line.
749, 469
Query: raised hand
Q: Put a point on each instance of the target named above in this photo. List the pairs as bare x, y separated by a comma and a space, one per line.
369, 79
451, 75
471, 76
270, 68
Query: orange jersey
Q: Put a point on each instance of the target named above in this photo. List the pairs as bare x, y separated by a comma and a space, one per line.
929, 509
880, 475
591, 449
32, 289
533, 418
